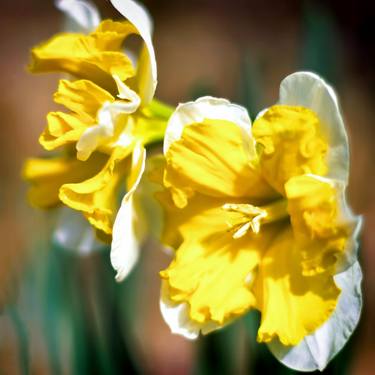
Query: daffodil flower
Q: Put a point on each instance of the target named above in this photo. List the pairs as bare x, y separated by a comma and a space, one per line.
111, 116
258, 217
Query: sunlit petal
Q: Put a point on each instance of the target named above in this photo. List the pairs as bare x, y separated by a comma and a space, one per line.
324, 227
311, 91
147, 70
292, 305
317, 349
290, 143
176, 315
95, 57
96, 197
46, 176
208, 108
211, 155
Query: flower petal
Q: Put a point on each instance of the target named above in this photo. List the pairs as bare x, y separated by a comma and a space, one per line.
97, 196
145, 197
310, 91
131, 100
95, 57
114, 127
317, 349
324, 226
208, 107
48, 175
292, 305
82, 97
83, 13
137, 169
208, 149
62, 129
212, 281
125, 242
212, 272
127, 233
290, 143
147, 69
176, 315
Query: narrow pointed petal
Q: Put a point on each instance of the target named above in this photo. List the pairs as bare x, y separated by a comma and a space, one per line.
125, 242
147, 69
127, 235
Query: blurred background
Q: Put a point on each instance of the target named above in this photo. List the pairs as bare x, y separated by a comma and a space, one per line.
62, 313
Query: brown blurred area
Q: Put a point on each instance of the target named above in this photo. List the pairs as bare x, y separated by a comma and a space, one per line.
199, 44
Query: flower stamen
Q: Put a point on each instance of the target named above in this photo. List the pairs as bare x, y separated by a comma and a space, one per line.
252, 216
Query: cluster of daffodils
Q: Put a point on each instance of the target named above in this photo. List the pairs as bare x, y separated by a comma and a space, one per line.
255, 214
110, 117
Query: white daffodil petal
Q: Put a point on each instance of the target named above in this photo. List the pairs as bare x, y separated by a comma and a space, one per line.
355, 221
310, 91
126, 236
95, 136
140, 18
126, 93
211, 108
84, 14
74, 233
317, 349
125, 244
177, 318
137, 169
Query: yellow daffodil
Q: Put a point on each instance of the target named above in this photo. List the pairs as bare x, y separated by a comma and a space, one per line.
111, 117
258, 217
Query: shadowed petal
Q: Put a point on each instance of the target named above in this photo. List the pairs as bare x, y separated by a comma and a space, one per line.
83, 13
127, 235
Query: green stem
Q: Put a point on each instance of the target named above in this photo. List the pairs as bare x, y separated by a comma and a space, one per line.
161, 109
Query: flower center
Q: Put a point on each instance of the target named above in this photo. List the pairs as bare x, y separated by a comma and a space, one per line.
251, 217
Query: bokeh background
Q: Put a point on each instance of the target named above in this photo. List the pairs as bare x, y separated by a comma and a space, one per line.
62, 313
